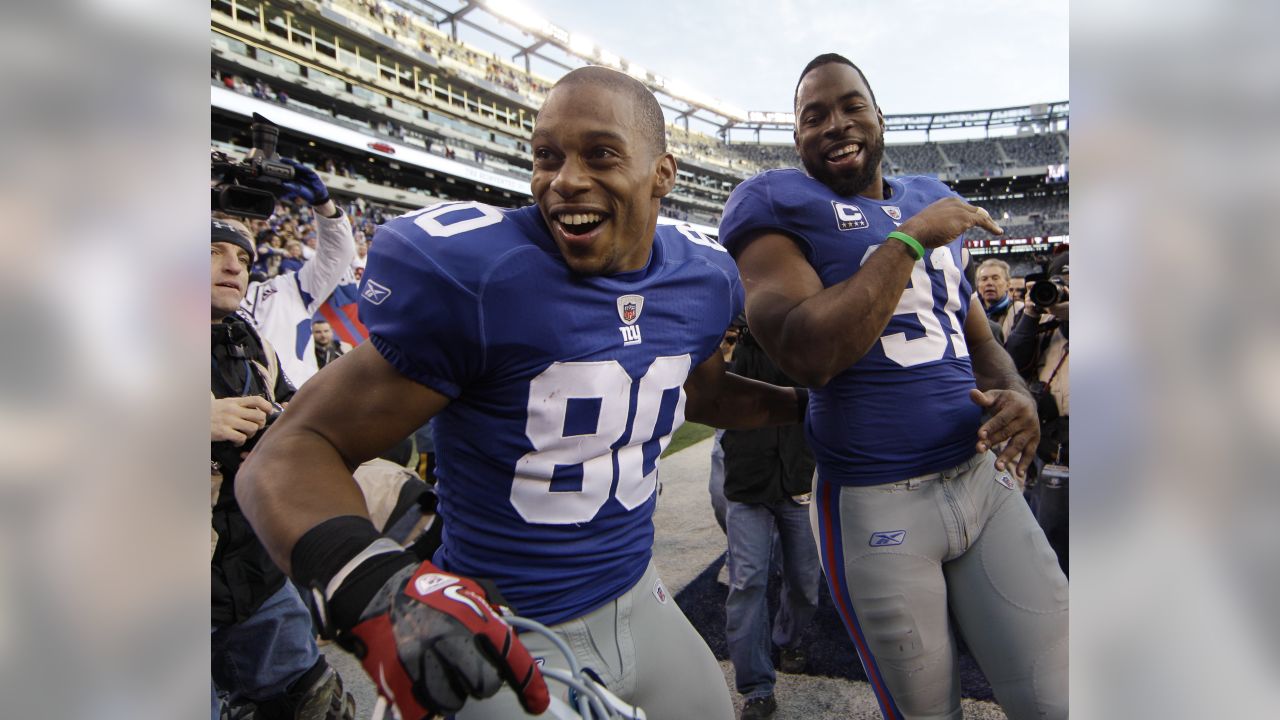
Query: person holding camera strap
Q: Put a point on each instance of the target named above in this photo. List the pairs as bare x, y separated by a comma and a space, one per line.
1040, 347
263, 650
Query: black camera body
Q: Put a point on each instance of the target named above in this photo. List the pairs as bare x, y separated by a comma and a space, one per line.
1047, 292
249, 188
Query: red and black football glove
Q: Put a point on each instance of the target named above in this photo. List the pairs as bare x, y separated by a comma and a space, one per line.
429, 640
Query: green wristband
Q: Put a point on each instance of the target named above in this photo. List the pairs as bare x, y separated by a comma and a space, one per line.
916, 248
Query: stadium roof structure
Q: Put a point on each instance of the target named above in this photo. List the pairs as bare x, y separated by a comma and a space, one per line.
1054, 116
528, 36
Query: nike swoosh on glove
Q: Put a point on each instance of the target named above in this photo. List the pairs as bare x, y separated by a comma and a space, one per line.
429, 640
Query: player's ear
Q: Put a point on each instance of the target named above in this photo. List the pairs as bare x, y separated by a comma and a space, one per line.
664, 175
880, 118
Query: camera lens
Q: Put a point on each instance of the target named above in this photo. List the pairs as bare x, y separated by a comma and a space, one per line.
240, 200
1045, 293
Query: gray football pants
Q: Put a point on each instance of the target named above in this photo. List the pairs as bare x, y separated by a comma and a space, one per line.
898, 556
642, 647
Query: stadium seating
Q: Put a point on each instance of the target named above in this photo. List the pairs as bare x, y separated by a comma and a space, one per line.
392, 75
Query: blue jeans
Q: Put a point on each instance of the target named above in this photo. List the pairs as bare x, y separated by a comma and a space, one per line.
751, 529
715, 483
258, 658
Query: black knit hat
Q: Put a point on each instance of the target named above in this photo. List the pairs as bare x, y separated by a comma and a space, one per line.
223, 231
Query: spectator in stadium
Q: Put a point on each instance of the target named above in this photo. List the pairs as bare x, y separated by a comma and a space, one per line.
914, 525
362, 256
270, 254
309, 245
328, 347
281, 307
1040, 347
768, 476
519, 333
993, 291
292, 261
1018, 288
263, 650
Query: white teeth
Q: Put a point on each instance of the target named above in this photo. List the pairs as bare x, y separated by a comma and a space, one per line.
580, 218
846, 150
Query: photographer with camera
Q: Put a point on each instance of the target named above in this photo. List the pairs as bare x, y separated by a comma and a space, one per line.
263, 648
1040, 347
281, 308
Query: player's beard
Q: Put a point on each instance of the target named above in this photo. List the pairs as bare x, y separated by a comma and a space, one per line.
848, 185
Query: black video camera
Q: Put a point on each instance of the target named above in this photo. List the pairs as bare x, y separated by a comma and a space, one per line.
249, 188
1047, 291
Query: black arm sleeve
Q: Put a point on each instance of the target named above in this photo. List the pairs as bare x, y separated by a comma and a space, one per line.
1022, 342
284, 389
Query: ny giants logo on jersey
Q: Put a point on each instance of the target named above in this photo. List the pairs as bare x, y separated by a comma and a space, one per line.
629, 309
849, 217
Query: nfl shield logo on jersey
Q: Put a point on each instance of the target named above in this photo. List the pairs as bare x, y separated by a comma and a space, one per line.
630, 307
892, 211
848, 217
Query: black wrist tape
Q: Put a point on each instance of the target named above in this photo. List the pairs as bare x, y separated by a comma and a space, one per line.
326, 548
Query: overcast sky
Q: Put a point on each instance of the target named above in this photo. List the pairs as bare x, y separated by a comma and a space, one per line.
919, 55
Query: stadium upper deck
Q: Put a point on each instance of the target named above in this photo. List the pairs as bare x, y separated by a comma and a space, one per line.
387, 88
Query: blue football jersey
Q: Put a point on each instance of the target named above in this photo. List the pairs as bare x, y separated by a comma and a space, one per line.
565, 390
903, 409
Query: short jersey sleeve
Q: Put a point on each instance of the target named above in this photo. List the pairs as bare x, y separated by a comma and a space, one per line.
760, 204
422, 319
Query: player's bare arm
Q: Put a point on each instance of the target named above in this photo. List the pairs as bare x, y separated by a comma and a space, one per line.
1004, 395
814, 333
300, 474
722, 399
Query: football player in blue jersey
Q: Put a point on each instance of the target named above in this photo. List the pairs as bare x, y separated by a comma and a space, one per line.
556, 348
854, 287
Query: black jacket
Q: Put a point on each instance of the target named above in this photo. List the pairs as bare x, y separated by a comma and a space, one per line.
242, 573
768, 464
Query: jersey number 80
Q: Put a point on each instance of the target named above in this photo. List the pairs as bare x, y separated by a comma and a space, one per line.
606, 381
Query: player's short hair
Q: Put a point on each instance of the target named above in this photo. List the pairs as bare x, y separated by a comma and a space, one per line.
648, 115
827, 59
1004, 266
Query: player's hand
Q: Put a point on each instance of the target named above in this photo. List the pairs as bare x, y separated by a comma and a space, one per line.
306, 183
1014, 421
944, 220
237, 419
430, 639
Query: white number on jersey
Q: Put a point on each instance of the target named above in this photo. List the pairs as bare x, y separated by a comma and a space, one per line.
608, 382
918, 300
698, 238
428, 218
